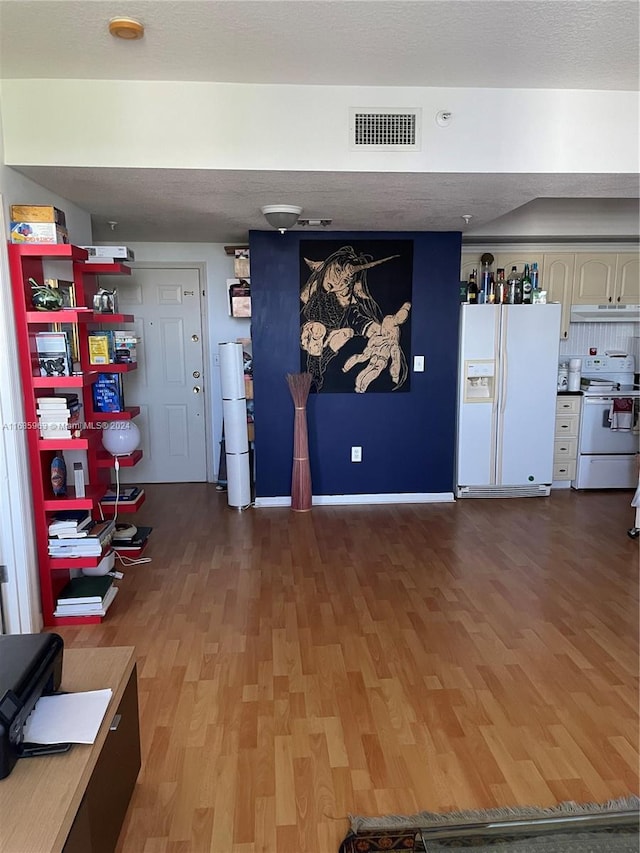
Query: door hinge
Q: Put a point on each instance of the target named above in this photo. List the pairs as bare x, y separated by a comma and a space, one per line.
4, 575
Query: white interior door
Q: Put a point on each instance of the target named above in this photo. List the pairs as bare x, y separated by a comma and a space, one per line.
168, 384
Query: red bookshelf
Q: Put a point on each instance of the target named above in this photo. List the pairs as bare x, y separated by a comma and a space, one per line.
25, 262
106, 460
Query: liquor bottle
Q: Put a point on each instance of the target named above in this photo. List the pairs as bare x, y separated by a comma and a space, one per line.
491, 290
526, 286
501, 288
472, 290
515, 289
483, 286
535, 282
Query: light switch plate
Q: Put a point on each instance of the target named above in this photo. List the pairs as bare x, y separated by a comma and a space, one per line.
356, 454
418, 364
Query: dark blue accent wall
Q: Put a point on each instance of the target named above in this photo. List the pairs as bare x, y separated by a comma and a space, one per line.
407, 439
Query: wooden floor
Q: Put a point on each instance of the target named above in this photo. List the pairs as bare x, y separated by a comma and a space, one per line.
294, 668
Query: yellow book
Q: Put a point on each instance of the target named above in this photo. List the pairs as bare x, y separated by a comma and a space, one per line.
99, 349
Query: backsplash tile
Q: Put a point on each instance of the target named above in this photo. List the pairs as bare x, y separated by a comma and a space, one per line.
604, 336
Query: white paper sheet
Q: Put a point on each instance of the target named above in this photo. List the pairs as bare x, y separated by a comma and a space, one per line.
67, 718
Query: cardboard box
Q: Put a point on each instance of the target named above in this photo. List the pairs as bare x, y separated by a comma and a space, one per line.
38, 232
107, 253
38, 213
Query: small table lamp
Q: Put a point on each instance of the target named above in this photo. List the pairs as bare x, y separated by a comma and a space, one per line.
121, 438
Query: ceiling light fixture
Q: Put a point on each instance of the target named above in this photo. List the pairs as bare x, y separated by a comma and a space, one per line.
126, 28
467, 218
112, 224
281, 216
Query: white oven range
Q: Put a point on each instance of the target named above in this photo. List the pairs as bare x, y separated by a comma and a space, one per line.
606, 456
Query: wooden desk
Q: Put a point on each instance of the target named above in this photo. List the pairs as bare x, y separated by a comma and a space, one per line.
76, 802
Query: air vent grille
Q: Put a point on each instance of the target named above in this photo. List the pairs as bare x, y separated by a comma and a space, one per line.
533, 491
384, 129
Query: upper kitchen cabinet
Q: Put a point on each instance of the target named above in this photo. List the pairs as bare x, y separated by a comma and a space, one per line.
607, 277
627, 289
557, 280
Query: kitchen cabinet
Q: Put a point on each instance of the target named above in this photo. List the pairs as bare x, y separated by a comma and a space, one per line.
627, 288
607, 277
594, 278
557, 280
565, 448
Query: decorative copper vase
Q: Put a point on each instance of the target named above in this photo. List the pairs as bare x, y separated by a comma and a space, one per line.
301, 491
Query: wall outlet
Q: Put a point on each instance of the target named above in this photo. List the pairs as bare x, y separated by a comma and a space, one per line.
356, 454
418, 364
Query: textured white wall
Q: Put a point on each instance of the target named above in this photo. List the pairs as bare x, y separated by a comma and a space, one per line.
172, 124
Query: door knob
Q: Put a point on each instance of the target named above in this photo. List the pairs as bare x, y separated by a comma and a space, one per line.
195, 338
196, 389
196, 374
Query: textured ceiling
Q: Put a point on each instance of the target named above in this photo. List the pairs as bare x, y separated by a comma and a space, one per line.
194, 205
559, 44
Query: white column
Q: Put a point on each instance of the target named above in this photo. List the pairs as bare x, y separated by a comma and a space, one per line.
234, 407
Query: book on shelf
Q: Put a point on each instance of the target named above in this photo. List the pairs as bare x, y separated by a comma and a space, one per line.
88, 608
132, 543
54, 354
71, 519
58, 401
89, 546
126, 493
108, 393
61, 423
101, 347
85, 590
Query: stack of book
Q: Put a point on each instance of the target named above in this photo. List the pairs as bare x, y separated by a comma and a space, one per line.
91, 545
86, 596
70, 524
59, 416
127, 494
132, 543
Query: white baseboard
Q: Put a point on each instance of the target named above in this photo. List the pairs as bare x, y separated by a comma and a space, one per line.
337, 500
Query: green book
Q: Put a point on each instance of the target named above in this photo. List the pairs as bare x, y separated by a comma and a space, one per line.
85, 590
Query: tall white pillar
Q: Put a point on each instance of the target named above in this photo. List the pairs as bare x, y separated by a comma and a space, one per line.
234, 409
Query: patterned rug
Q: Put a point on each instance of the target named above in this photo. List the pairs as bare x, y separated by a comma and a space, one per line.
611, 827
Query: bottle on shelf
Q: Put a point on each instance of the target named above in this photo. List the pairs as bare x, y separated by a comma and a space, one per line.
535, 282
472, 289
514, 287
483, 285
526, 286
491, 290
501, 288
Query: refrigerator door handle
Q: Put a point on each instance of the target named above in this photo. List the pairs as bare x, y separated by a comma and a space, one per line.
504, 363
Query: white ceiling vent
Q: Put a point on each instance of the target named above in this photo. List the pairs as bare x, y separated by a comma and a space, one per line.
384, 129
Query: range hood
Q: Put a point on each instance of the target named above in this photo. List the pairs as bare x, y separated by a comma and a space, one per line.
608, 313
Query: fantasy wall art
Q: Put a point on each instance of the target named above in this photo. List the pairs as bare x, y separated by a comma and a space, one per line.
355, 308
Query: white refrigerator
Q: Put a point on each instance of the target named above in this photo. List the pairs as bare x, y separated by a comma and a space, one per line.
507, 388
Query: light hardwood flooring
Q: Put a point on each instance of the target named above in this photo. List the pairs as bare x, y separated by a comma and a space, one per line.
294, 668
